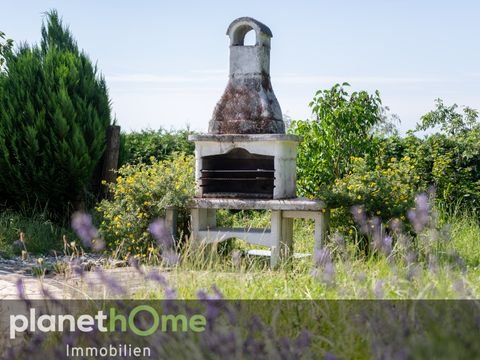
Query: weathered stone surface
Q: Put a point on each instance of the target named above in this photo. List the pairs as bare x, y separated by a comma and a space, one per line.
296, 204
244, 137
248, 105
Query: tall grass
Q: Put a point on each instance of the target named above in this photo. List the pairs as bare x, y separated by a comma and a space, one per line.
443, 266
345, 329
41, 235
464, 230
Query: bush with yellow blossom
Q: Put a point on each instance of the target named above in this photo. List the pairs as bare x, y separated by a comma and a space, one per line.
387, 191
140, 195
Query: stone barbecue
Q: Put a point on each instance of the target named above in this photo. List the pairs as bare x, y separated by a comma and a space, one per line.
246, 161
246, 153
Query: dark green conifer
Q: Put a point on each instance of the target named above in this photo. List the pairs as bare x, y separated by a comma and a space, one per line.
54, 113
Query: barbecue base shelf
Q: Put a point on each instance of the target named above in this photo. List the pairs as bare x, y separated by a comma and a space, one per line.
279, 237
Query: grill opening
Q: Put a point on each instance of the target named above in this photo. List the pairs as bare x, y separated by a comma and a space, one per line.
238, 174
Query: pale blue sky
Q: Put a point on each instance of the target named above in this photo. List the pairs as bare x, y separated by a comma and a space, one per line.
166, 62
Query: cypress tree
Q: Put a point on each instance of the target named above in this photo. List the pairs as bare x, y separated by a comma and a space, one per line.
54, 113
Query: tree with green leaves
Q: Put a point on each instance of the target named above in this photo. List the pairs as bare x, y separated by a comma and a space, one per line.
54, 114
451, 155
449, 120
341, 128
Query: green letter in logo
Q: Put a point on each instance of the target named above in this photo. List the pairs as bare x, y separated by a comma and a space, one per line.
141, 332
114, 318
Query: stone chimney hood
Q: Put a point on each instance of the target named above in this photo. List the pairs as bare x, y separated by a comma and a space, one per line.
246, 153
248, 105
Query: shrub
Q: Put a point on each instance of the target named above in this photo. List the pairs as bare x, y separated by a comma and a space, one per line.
451, 156
141, 194
449, 163
386, 191
139, 147
54, 113
341, 128
452, 165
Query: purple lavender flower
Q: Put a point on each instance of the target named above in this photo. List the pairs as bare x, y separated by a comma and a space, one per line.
375, 230
360, 277
46, 293
461, 288
420, 215
330, 356
322, 257
202, 295
410, 258
339, 240
304, 339
387, 245
216, 295
324, 267
83, 226
110, 282
170, 257
160, 232
378, 289
329, 273
133, 262
413, 271
396, 226
20, 289
78, 269
170, 293
360, 217
156, 276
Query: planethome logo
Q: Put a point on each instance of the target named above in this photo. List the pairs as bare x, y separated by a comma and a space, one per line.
109, 321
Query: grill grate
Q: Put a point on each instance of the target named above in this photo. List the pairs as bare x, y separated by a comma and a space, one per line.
238, 174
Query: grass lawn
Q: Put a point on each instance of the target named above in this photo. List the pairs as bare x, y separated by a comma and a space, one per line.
442, 267
442, 264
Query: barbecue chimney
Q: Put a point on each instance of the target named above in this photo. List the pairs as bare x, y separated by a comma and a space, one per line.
248, 105
246, 154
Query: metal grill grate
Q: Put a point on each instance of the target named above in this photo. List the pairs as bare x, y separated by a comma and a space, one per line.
238, 174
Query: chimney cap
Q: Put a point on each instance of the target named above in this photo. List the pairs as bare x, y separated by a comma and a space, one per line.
239, 28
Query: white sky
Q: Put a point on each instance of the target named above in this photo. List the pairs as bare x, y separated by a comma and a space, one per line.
166, 63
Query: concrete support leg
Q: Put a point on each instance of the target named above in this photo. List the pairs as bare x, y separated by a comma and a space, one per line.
211, 218
202, 219
210, 223
321, 229
286, 245
197, 224
276, 237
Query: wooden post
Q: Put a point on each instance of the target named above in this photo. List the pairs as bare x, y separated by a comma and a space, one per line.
110, 157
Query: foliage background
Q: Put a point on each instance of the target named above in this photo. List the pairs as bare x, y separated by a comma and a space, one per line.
140, 147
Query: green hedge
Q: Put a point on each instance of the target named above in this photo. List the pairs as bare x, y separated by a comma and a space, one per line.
140, 147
